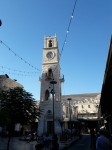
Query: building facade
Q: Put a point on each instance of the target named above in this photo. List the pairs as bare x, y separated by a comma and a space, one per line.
105, 109
81, 106
7, 83
50, 93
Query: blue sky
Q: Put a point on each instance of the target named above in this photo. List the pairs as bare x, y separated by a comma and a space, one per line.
83, 60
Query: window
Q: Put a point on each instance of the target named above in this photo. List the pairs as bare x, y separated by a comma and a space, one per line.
50, 74
67, 111
46, 95
50, 43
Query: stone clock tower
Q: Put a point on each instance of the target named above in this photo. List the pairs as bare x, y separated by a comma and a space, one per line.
50, 94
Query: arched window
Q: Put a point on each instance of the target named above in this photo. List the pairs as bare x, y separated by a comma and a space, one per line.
50, 43
46, 95
50, 74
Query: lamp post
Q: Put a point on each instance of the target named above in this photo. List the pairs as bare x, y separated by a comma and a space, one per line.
69, 99
0, 22
52, 91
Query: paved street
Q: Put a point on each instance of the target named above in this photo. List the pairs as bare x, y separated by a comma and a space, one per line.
82, 144
16, 144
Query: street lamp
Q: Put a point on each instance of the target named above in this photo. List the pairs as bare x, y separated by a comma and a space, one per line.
53, 92
69, 99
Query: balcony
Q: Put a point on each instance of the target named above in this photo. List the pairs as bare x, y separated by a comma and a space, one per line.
62, 79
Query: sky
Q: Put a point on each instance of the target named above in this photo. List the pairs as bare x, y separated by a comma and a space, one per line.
83, 59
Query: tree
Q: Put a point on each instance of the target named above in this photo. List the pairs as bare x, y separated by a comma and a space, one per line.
17, 106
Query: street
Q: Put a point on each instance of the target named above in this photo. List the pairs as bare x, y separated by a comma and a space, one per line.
82, 144
16, 144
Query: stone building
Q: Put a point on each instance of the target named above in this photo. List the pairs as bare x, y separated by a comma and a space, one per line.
50, 93
55, 107
105, 109
83, 107
6, 83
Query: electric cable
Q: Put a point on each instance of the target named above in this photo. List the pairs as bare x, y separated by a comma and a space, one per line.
19, 56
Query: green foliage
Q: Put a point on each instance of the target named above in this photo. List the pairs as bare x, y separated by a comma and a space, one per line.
17, 106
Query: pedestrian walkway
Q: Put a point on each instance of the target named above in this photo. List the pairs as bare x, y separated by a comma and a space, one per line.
67, 144
16, 144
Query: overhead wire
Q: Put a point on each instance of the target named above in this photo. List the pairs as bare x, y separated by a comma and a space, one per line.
26, 62
68, 28
15, 71
67, 31
18, 74
60, 54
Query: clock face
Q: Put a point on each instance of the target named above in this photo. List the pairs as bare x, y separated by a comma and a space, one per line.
50, 55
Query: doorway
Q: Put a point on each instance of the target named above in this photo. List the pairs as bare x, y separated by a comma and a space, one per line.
49, 127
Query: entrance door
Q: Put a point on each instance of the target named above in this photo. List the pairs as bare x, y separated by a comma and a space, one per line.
49, 127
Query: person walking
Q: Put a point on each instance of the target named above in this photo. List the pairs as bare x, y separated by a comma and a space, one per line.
103, 142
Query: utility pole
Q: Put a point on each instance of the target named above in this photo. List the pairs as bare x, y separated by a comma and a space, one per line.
53, 92
69, 99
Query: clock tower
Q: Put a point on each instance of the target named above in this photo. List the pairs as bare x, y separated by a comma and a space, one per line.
50, 94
